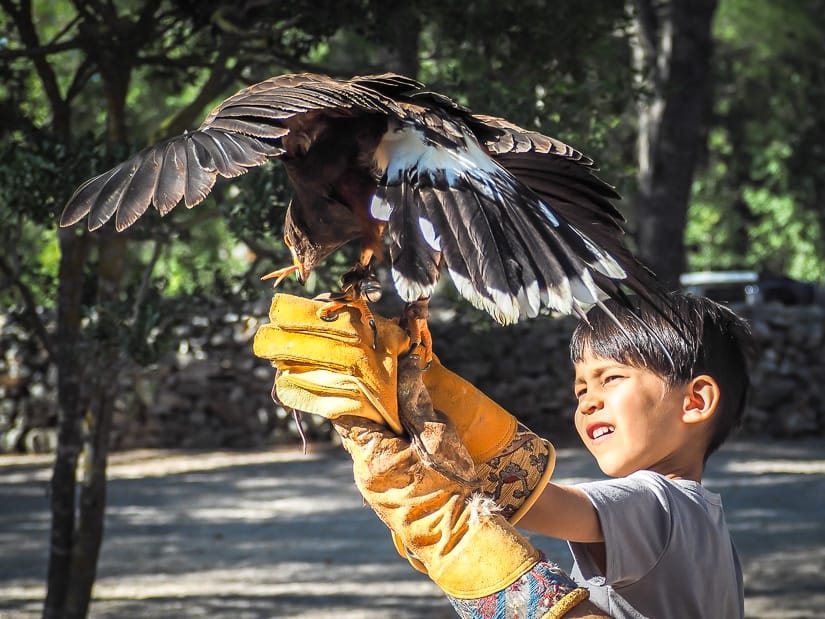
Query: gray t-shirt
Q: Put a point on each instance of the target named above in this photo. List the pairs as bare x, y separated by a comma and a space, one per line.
668, 552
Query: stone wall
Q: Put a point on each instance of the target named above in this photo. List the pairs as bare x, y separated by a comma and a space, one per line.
210, 391
527, 368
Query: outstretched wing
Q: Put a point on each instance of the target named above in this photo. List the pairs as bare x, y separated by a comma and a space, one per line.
565, 179
246, 130
520, 220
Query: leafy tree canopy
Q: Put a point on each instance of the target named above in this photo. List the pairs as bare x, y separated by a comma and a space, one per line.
549, 66
758, 204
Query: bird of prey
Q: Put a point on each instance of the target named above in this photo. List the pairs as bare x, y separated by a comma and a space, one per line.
518, 219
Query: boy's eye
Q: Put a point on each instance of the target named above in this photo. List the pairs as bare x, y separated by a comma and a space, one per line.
610, 378
579, 392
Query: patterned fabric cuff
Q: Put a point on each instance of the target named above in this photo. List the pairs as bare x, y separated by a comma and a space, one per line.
544, 592
518, 473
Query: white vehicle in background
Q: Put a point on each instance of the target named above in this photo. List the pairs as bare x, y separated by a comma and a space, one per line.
750, 287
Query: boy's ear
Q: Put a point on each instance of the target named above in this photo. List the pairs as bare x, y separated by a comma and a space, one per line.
702, 396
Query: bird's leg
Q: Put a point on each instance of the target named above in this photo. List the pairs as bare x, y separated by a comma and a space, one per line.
431, 432
358, 287
414, 320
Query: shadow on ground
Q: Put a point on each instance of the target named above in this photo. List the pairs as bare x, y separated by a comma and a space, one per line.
259, 535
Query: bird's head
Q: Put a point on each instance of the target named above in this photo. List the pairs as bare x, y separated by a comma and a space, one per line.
312, 234
304, 252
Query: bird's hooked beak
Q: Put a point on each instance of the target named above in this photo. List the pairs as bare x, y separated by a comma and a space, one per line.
301, 272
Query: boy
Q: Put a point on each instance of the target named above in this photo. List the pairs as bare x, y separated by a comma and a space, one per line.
652, 541
651, 409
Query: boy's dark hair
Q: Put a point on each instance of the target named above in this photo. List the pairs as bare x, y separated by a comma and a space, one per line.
692, 336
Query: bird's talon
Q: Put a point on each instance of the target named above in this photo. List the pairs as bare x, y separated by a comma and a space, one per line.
329, 312
374, 330
411, 350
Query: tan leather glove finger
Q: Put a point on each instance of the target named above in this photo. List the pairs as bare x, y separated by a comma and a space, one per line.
331, 395
330, 368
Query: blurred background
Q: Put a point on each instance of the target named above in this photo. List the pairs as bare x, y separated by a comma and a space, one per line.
708, 116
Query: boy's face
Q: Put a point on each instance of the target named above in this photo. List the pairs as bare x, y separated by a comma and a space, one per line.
628, 417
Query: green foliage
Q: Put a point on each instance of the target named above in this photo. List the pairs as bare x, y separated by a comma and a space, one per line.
758, 203
193, 263
783, 238
36, 174
786, 238
549, 66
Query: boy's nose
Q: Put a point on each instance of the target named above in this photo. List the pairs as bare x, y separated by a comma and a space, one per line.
589, 403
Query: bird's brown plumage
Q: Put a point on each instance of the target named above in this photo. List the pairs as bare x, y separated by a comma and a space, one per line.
518, 218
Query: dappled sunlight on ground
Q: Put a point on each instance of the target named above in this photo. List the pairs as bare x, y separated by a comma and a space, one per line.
266, 534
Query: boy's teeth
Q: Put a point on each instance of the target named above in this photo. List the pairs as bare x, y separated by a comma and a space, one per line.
602, 431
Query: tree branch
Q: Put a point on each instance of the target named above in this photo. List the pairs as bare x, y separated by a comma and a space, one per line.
40, 50
140, 297
22, 18
81, 77
219, 79
65, 29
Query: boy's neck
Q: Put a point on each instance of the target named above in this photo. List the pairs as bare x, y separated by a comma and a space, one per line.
697, 479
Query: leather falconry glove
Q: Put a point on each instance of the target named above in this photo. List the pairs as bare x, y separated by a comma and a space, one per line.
329, 368
465, 546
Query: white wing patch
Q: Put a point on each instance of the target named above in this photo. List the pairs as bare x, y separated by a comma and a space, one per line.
380, 209
606, 264
584, 289
410, 290
407, 148
431, 236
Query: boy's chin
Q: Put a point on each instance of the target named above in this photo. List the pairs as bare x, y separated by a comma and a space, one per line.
611, 468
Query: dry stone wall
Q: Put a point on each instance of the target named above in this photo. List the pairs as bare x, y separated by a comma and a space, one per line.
210, 391
527, 368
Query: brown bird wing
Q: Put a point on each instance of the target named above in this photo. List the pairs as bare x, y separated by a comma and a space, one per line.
566, 179
557, 172
247, 130
517, 217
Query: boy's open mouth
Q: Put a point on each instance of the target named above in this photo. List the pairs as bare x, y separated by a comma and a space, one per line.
599, 430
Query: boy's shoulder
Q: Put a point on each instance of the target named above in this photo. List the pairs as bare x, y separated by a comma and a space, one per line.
648, 489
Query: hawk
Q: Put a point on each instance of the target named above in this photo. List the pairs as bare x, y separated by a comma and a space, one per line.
518, 219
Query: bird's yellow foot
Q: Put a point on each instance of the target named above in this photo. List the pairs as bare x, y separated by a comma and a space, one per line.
329, 312
414, 320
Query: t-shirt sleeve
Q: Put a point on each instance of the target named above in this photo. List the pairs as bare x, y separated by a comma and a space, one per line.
636, 518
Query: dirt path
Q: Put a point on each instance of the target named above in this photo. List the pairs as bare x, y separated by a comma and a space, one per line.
260, 535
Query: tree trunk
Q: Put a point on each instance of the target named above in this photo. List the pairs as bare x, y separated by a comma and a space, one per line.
86, 393
672, 48
103, 387
73, 253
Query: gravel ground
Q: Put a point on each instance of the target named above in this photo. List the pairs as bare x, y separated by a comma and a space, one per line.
259, 535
